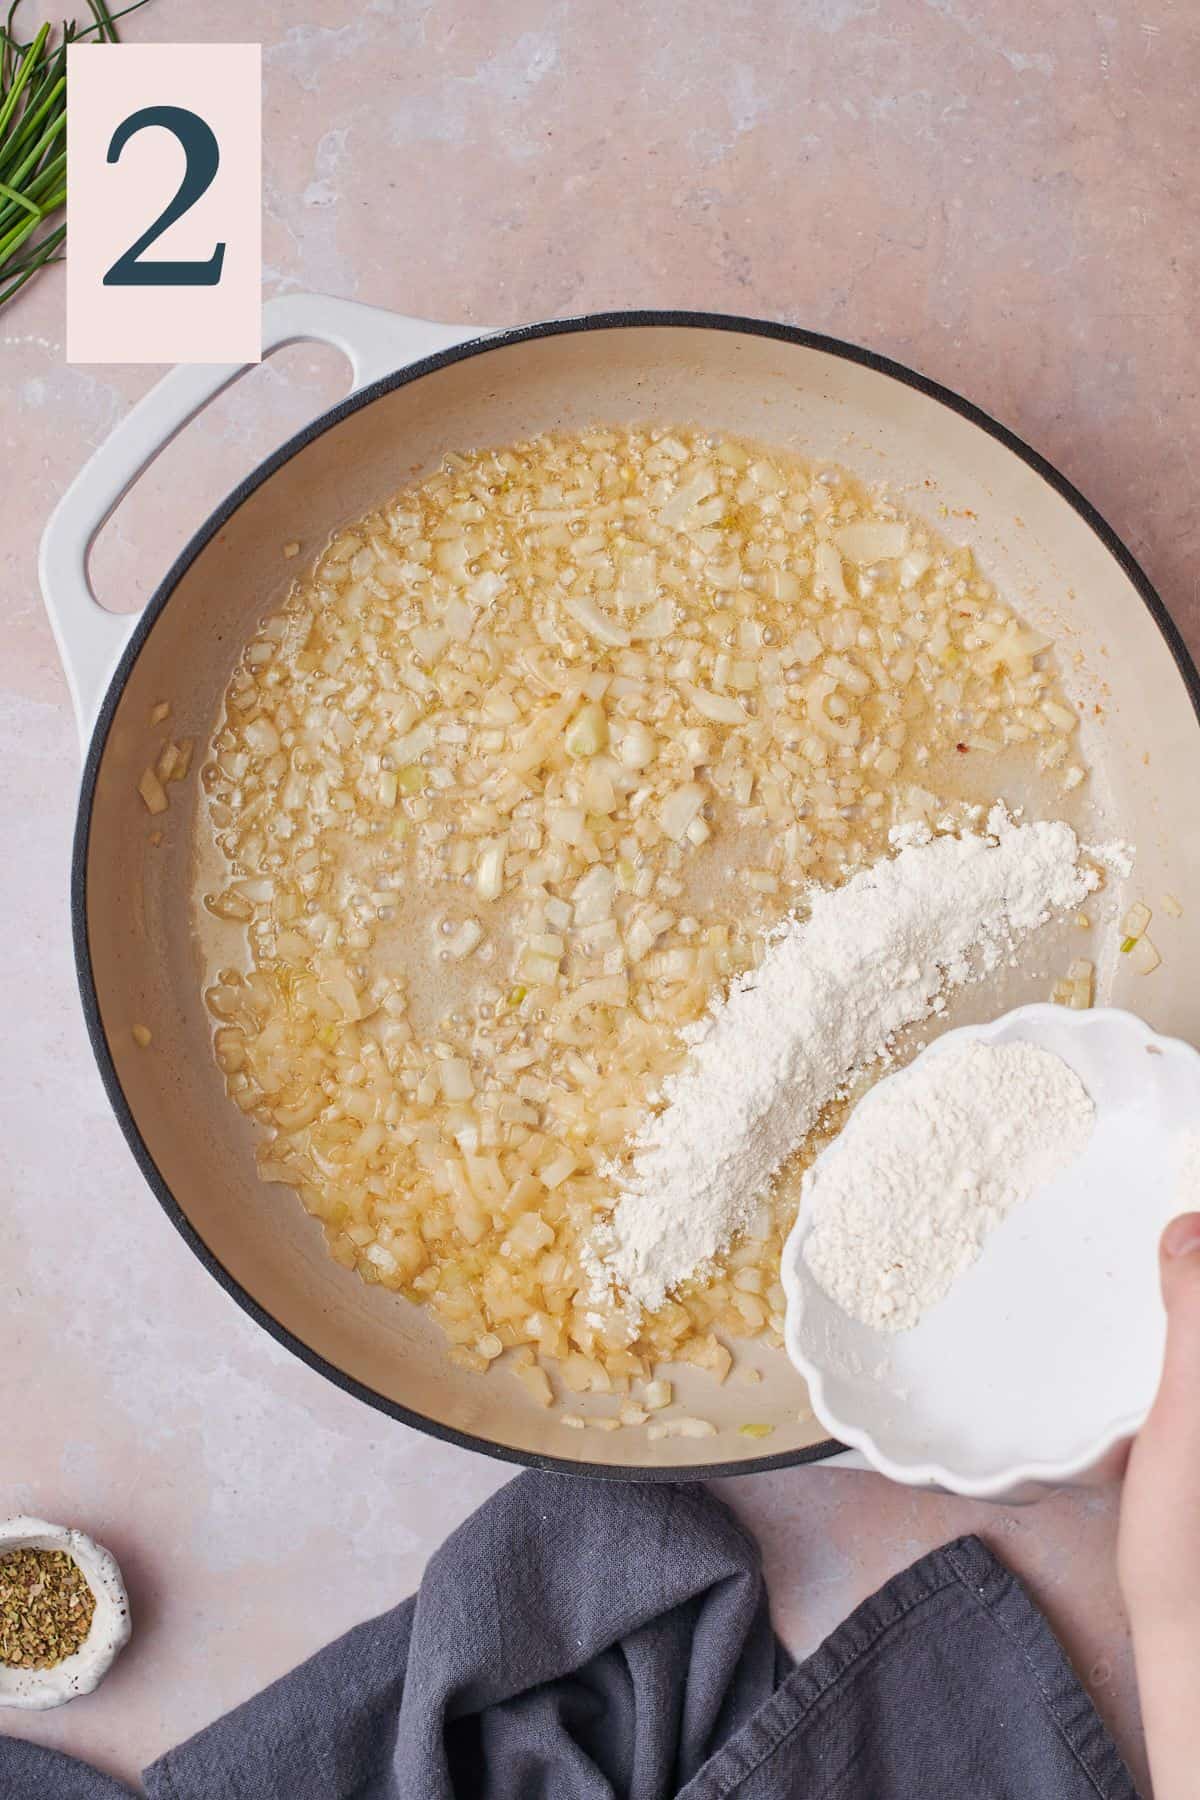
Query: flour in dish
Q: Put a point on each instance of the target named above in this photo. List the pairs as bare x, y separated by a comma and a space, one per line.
929, 1166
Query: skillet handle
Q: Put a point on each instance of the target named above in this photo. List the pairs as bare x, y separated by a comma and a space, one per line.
91, 639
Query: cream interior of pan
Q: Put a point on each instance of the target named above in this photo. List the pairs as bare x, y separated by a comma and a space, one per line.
1139, 737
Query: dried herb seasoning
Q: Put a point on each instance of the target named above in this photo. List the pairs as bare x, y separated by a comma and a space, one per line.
46, 1608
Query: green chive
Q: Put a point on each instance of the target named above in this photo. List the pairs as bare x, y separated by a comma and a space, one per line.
33, 119
29, 62
19, 199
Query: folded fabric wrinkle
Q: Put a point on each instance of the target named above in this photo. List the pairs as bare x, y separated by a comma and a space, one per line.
579, 1640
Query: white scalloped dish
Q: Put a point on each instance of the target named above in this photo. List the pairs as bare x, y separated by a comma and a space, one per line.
35, 1690
1045, 1355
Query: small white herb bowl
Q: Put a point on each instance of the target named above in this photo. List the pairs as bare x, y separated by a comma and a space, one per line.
37, 1689
1044, 1357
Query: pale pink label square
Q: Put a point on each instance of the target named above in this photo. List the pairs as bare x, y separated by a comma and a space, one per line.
202, 124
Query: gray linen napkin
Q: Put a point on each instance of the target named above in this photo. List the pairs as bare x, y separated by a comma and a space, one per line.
580, 1640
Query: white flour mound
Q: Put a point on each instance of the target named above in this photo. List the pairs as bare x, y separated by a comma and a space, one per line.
922, 1174
830, 994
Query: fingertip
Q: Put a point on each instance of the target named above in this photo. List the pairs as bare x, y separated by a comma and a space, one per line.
1179, 1268
1182, 1237
1171, 1440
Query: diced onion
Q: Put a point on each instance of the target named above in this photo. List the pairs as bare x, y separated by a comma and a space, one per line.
592, 898
1136, 920
680, 808
913, 566
1143, 957
655, 622
685, 1428
587, 733
636, 749
828, 565
454, 1073
587, 613
873, 540
152, 791
489, 870
722, 709
686, 496
460, 943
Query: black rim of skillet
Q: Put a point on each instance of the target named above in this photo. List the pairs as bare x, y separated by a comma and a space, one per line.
413, 372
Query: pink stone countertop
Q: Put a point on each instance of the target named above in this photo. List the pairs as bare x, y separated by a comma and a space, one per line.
1001, 195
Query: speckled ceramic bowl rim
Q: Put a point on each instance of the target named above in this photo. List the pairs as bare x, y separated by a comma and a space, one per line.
483, 346
1010, 1477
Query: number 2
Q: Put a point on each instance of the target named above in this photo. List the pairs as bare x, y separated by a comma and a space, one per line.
203, 159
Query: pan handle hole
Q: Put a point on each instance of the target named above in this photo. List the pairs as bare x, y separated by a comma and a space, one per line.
209, 457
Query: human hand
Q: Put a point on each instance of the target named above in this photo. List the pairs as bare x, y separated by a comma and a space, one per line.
1159, 1546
